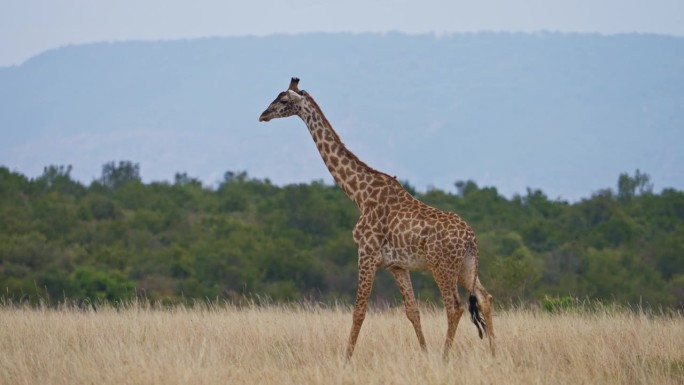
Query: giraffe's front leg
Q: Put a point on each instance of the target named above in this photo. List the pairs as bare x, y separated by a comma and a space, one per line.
367, 269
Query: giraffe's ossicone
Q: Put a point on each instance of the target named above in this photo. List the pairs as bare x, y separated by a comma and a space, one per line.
395, 231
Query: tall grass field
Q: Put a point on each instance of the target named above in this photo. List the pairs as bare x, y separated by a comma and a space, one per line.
142, 343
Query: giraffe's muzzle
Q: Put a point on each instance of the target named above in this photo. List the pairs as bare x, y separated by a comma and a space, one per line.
264, 117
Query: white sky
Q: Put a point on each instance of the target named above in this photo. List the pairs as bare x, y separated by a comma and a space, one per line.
28, 27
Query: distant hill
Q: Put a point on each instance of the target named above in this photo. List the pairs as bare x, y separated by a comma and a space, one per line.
562, 112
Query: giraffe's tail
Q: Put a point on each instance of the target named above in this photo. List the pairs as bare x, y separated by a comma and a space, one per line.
480, 306
476, 316
480, 302
472, 266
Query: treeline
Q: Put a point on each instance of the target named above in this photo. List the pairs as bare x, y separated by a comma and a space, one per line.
119, 237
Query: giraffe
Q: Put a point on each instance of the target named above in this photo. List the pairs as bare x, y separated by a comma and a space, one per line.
395, 231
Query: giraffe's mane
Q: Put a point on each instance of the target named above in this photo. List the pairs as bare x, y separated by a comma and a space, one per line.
338, 140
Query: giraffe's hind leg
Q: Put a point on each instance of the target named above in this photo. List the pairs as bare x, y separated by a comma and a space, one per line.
403, 279
452, 304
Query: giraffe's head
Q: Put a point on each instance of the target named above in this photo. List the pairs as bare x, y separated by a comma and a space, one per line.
287, 103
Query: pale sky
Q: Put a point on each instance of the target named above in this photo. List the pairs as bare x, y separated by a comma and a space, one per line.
29, 27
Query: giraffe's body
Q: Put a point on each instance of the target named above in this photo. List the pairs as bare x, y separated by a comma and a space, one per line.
395, 230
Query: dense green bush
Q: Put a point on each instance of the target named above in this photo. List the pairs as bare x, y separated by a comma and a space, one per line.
120, 237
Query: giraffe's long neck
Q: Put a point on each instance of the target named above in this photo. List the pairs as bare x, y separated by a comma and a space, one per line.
351, 174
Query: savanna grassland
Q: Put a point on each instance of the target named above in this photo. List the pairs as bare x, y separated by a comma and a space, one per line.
141, 343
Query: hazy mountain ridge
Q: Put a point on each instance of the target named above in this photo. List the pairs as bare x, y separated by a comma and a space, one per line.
565, 113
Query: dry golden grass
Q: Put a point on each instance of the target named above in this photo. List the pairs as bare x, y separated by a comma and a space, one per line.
141, 344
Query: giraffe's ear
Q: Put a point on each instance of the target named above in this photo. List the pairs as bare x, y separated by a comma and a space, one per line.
293, 85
